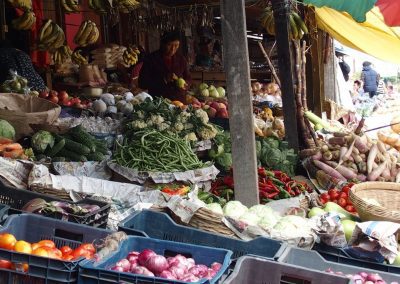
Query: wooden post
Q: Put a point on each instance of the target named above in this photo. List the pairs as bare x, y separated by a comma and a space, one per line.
236, 64
3, 24
281, 10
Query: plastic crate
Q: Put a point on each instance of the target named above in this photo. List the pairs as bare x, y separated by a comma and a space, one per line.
340, 256
90, 273
4, 211
312, 260
255, 270
33, 228
161, 226
17, 198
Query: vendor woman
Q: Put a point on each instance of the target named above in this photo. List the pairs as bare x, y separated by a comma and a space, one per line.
161, 69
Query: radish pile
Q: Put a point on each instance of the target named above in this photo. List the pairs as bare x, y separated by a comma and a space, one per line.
363, 277
148, 263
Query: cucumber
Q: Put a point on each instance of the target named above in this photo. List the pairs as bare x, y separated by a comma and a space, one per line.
76, 147
83, 138
72, 156
56, 148
58, 137
58, 159
98, 157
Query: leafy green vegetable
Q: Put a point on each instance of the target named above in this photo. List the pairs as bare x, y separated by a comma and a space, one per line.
41, 140
258, 149
6, 130
225, 161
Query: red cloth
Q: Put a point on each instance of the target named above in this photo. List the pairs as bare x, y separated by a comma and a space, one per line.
40, 59
390, 10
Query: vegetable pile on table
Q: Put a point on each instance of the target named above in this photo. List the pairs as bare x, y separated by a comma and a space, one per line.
190, 124
76, 146
148, 263
363, 277
155, 151
341, 197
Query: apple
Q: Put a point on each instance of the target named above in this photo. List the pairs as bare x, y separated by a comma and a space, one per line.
215, 105
211, 112
77, 101
43, 94
222, 113
62, 96
315, 211
222, 105
348, 228
53, 99
53, 93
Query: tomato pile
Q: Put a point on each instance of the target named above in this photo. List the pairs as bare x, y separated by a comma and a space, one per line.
341, 197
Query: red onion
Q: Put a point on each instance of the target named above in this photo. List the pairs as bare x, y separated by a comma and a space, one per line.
134, 253
216, 266
125, 264
211, 273
190, 263
190, 278
157, 264
373, 277
178, 270
132, 257
117, 268
364, 275
199, 270
145, 255
142, 270
167, 275
133, 266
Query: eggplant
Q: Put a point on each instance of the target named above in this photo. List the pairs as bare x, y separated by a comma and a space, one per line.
35, 205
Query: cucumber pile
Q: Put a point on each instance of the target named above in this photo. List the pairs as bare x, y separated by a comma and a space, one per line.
75, 146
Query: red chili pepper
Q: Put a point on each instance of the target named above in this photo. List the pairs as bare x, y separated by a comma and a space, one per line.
272, 195
261, 172
228, 180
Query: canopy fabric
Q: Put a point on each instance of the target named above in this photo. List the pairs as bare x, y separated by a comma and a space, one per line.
356, 8
373, 36
390, 10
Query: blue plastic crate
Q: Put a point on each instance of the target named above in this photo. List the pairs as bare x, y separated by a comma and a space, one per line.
33, 228
3, 212
340, 256
253, 270
98, 273
161, 226
310, 259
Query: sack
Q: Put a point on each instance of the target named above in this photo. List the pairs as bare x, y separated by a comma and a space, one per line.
21, 111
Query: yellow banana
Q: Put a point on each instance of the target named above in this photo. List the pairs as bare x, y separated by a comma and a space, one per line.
81, 29
45, 30
83, 40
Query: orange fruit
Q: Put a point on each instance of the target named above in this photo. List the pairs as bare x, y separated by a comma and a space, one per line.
7, 241
20, 267
68, 257
65, 250
46, 243
53, 252
22, 246
89, 247
41, 252
35, 246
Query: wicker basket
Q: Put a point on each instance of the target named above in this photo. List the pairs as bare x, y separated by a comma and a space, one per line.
62, 194
387, 194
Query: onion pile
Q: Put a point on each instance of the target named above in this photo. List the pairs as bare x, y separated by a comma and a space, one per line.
363, 277
148, 263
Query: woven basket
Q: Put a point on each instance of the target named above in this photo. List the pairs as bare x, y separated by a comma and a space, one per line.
387, 194
62, 194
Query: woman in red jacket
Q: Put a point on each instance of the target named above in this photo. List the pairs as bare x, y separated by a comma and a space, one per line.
161, 68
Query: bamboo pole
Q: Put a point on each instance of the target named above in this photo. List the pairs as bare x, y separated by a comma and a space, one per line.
271, 66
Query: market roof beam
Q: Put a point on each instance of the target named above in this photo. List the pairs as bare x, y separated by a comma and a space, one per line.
237, 69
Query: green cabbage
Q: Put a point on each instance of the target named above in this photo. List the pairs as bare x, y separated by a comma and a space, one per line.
215, 207
269, 222
224, 160
249, 218
234, 209
6, 130
262, 210
42, 140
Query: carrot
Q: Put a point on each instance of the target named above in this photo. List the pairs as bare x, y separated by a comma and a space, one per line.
371, 157
14, 154
377, 172
13, 146
329, 170
4, 140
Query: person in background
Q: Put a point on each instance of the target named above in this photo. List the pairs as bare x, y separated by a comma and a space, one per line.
344, 66
17, 60
357, 91
204, 57
161, 68
390, 90
381, 86
138, 66
369, 77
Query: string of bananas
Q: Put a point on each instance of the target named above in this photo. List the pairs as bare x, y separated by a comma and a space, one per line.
70, 6
100, 6
87, 34
78, 58
126, 6
24, 22
131, 56
51, 36
21, 4
62, 54
297, 26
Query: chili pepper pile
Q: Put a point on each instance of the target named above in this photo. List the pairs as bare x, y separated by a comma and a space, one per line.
181, 190
272, 185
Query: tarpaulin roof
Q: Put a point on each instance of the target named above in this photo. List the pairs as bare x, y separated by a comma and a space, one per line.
373, 36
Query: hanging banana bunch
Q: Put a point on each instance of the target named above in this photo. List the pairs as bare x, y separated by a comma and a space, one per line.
25, 21
100, 6
297, 26
78, 58
126, 6
70, 6
87, 34
51, 36
62, 54
21, 4
131, 55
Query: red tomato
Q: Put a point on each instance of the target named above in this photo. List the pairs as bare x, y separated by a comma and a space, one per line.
5, 264
77, 101
65, 250
350, 208
334, 201
332, 190
63, 96
346, 189
67, 257
325, 196
349, 201
89, 247
343, 195
68, 103
334, 195
323, 201
342, 202
53, 99
81, 252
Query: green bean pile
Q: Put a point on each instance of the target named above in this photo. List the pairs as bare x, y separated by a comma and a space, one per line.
153, 151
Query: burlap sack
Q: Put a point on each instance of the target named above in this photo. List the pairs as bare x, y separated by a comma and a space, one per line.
21, 110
